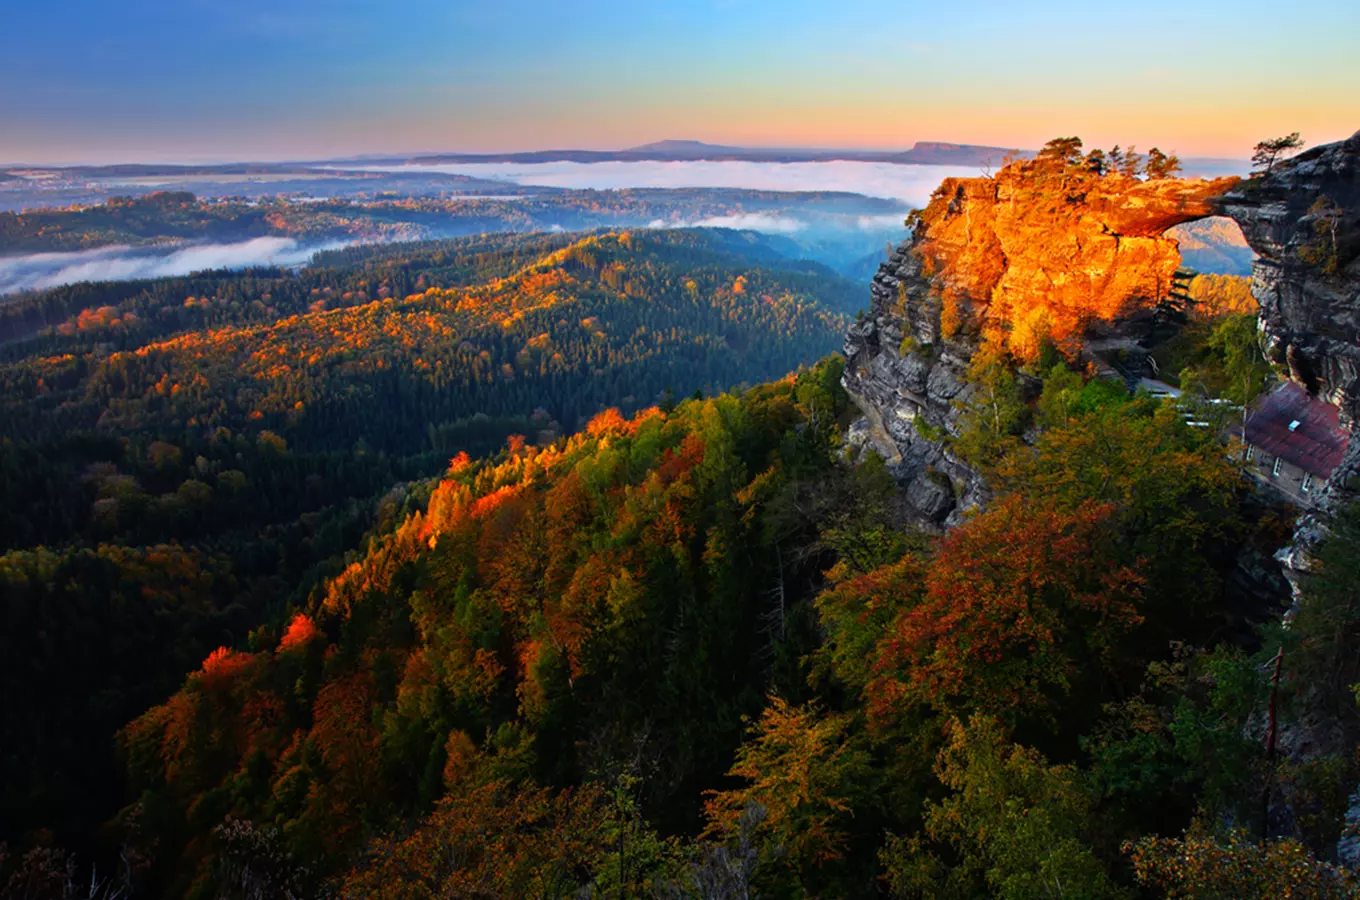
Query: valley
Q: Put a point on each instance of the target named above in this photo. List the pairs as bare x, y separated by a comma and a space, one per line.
696, 450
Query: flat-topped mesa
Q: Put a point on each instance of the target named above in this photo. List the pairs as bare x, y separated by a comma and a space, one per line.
1045, 250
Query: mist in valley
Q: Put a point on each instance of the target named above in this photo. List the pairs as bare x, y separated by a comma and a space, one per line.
38, 271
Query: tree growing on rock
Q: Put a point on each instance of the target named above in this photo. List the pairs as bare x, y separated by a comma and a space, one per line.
1063, 152
1161, 165
1131, 164
1267, 153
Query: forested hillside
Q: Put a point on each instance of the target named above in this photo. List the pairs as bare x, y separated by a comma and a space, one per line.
558, 566
691, 653
180, 457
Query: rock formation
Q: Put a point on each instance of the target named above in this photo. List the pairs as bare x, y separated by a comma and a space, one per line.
905, 377
1303, 222
1044, 251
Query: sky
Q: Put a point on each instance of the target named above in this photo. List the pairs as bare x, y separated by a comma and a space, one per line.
206, 80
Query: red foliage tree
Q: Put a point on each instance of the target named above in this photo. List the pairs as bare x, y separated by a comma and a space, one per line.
301, 631
1014, 602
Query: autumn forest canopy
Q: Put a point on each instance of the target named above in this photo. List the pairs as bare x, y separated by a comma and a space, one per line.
557, 565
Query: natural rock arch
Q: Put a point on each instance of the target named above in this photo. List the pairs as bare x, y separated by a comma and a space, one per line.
1034, 254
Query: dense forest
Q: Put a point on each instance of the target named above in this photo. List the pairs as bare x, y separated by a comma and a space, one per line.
692, 653
542, 566
181, 457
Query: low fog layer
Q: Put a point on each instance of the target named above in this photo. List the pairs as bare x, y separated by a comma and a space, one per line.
913, 184
787, 224
36, 271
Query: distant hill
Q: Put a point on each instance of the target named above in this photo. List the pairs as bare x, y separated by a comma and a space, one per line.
1214, 245
940, 153
922, 153
692, 149
673, 150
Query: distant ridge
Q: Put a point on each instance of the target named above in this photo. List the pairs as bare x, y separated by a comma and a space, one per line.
941, 153
695, 149
672, 150
922, 153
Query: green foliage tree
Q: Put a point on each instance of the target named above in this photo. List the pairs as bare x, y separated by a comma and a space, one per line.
1061, 399
1179, 747
808, 772
1131, 163
994, 411
1236, 369
1061, 152
1012, 826
1173, 497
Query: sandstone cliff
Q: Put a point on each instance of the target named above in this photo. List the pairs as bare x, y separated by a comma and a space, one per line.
1044, 251
1303, 222
1032, 255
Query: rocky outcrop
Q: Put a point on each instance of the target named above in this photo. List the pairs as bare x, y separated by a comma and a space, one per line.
1303, 222
1034, 254
905, 377
1045, 250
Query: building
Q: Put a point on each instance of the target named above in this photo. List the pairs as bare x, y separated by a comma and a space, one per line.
1294, 441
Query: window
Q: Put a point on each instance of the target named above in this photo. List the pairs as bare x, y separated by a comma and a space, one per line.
1275, 472
1307, 482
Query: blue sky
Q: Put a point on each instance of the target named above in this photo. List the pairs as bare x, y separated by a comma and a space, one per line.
196, 80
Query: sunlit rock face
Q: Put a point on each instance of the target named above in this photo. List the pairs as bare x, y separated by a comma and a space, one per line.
1045, 251
1039, 252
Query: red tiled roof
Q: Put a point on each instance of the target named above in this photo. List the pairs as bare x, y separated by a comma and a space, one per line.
1315, 445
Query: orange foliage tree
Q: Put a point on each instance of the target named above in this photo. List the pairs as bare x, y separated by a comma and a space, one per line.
805, 770
493, 840
1015, 601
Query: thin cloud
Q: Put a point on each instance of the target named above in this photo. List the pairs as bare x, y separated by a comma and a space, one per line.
753, 222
